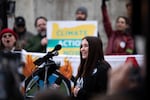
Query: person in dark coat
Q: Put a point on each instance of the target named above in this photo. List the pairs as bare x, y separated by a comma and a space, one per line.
92, 71
21, 30
39, 42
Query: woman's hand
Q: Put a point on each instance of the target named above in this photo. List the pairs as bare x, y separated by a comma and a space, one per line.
75, 91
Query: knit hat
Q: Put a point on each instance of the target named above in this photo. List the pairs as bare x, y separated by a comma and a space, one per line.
83, 10
8, 30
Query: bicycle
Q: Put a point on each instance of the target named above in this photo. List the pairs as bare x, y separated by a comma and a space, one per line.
47, 76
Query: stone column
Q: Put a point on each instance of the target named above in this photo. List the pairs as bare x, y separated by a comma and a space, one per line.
26, 8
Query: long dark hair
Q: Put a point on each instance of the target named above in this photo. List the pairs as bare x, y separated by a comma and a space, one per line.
95, 54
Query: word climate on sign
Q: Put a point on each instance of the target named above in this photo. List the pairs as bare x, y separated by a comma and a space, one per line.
68, 34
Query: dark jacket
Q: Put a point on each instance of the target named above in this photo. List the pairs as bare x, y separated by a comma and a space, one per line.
23, 37
34, 44
94, 84
119, 43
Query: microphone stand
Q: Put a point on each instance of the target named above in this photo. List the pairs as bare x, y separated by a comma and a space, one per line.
48, 59
46, 65
45, 77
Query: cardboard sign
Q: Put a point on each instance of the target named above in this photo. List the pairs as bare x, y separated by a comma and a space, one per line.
69, 34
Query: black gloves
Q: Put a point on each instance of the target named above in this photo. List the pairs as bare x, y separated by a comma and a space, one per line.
103, 3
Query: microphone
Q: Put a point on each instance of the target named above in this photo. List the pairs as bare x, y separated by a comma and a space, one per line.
54, 52
57, 47
50, 54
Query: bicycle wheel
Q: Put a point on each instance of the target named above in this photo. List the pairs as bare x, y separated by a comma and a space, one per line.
35, 82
